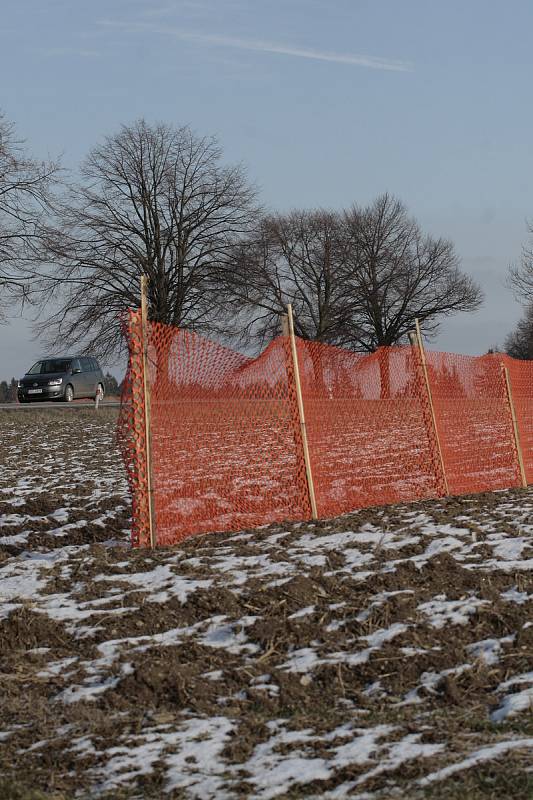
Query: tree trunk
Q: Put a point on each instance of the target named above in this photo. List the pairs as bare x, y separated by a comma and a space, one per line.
384, 372
318, 368
162, 345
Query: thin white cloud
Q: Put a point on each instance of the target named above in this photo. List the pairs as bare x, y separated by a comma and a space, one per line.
195, 7
354, 60
55, 52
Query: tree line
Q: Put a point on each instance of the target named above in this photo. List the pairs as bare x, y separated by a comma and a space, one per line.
159, 200
8, 391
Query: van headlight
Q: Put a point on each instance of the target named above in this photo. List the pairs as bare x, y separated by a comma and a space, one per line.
55, 382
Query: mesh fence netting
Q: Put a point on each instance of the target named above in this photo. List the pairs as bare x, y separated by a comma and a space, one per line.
474, 422
227, 450
370, 437
521, 379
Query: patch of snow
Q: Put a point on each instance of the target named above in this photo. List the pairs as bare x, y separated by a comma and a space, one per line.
302, 660
444, 545
21, 577
60, 514
228, 637
524, 677
83, 745
18, 538
56, 667
274, 539
277, 582
283, 762
161, 583
383, 635
197, 767
407, 749
514, 596
312, 560
429, 681
214, 675
373, 689
476, 758
87, 692
273, 773
510, 548
303, 612
512, 704
455, 612
7, 608
525, 565
488, 650
191, 757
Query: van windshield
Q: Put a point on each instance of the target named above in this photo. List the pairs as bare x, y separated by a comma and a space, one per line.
50, 365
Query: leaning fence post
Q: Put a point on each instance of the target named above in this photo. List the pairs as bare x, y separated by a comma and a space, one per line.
516, 432
301, 414
420, 345
147, 409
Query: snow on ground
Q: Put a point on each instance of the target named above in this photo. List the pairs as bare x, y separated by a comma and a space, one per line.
384, 653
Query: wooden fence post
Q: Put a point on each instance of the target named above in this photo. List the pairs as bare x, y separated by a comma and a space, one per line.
301, 413
147, 409
515, 427
420, 345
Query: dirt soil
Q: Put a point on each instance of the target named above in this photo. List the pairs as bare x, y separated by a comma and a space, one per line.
385, 653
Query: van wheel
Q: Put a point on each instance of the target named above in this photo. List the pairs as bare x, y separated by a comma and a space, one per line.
69, 394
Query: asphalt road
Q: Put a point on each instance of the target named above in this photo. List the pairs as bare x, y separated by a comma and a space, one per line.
64, 406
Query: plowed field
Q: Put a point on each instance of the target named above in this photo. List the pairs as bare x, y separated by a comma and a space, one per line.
385, 653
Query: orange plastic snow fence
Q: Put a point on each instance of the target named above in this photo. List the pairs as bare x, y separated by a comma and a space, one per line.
521, 379
226, 446
226, 436
369, 427
474, 422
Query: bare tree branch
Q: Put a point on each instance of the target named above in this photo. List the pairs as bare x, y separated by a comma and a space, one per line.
297, 258
155, 200
396, 275
521, 275
26, 198
358, 278
519, 343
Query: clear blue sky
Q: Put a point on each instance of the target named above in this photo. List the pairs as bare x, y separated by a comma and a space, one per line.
327, 102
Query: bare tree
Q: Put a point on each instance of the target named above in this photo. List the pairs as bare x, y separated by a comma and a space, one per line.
360, 278
397, 274
293, 258
153, 199
26, 190
519, 343
521, 275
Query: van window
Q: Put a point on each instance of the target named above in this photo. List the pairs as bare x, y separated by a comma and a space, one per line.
49, 366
